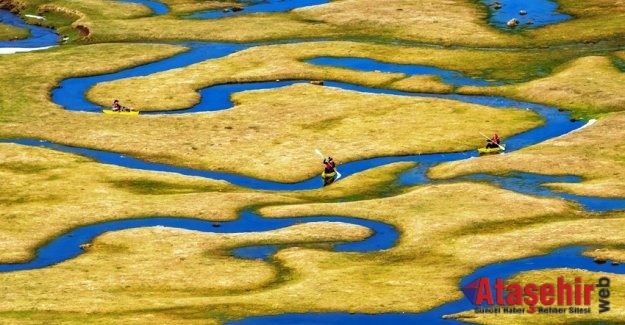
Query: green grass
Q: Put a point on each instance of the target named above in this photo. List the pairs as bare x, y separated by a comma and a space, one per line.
160, 275
23, 167
10, 33
439, 23
153, 187
62, 22
619, 62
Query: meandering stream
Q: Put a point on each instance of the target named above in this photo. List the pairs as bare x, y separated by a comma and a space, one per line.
40, 37
70, 94
68, 245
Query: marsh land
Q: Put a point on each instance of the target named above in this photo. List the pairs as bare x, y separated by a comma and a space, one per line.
232, 111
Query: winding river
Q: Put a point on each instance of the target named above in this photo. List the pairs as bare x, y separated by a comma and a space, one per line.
70, 95
68, 245
530, 13
40, 37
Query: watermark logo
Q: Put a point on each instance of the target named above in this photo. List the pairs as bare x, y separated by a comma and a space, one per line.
559, 297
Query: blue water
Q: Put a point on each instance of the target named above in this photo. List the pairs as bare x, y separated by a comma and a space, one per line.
363, 64
258, 6
561, 258
67, 246
71, 95
539, 13
39, 36
557, 123
71, 92
157, 7
531, 184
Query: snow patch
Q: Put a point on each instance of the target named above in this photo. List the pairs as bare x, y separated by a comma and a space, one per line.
11, 50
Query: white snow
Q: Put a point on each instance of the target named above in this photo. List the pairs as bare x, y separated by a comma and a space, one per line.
11, 50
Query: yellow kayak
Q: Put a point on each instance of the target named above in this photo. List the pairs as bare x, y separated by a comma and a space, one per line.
112, 112
328, 178
485, 151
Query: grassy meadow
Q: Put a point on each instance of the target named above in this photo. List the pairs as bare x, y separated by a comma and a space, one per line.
210, 139
595, 153
8, 32
447, 228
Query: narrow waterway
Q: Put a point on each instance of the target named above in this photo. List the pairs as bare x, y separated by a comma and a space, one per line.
40, 37
70, 94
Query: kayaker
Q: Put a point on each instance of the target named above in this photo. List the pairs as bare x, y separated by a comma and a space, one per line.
329, 171
493, 142
329, 165
117, 107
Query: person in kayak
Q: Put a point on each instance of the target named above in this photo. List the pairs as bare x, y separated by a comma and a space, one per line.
329, 165
329, 171
493, 142
117, 107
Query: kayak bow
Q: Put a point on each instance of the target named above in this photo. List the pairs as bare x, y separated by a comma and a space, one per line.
112, 112
485, 151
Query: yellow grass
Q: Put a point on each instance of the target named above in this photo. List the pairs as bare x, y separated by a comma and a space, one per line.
446, 23
593, 21
64, 191
387, 281
128, 276
599, 231
588, 86
436, 223
236, 29
190, 6
591, 230
440, 22
443, 22
357, 126
372, 183
34, 74
122, 266
595, 153
123, 269
161, 275
464, 22
171, 316
177, 88
90, 9
615, 255
426, 84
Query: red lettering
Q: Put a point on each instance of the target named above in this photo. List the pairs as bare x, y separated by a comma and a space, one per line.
578, 291
515, 294
499, 286
561, 288
530, 294
546, 294
484, 292
588, 289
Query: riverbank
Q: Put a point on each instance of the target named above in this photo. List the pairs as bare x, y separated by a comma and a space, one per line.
437, 233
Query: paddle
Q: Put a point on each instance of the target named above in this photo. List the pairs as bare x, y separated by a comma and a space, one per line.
487, 138
338, 175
